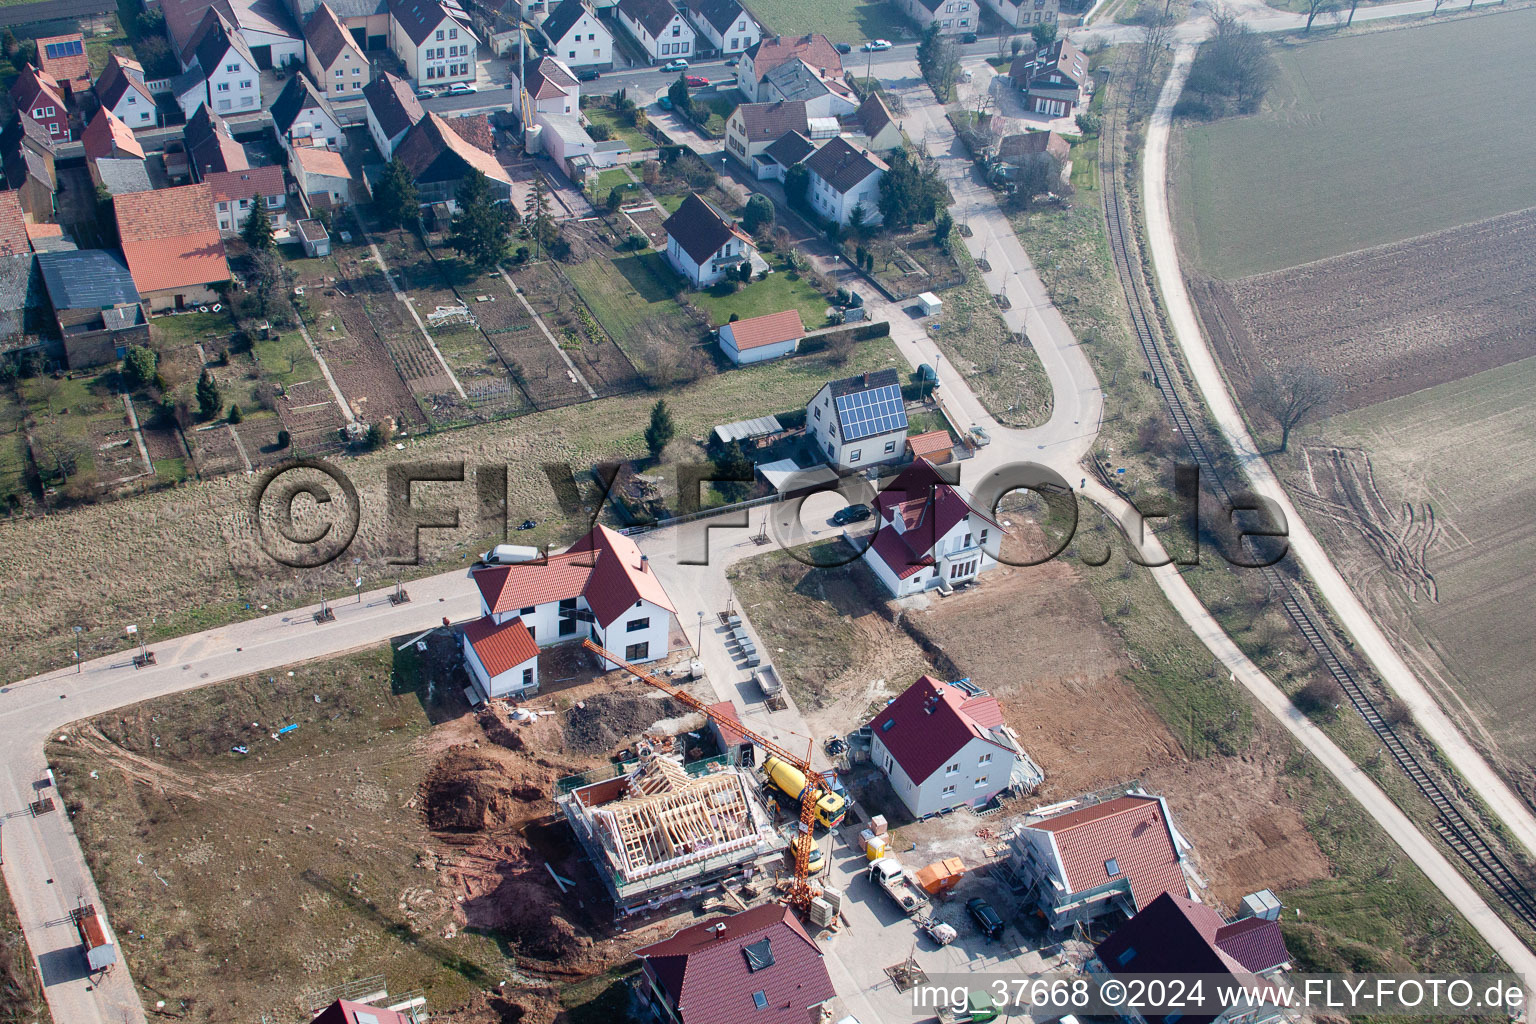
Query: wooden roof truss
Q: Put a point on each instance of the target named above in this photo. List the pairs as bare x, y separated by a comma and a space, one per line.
672, 819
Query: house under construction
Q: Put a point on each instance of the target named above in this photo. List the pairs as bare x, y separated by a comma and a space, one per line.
661, 829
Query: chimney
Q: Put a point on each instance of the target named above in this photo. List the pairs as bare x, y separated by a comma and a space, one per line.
720, 930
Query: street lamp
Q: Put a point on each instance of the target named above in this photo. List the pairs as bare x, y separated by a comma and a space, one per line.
700, 647
77, 630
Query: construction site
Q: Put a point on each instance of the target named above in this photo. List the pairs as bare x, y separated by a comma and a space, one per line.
664, 829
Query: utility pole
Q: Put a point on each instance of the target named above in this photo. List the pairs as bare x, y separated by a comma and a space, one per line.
522, 74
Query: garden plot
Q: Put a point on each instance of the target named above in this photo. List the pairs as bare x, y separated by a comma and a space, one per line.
632, 297
310, 416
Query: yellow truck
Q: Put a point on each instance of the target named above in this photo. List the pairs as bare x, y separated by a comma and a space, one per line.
790, 781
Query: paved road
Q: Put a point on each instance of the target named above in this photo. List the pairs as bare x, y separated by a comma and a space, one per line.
1373, 643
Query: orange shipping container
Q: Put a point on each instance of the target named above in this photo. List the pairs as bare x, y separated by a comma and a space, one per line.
941, 875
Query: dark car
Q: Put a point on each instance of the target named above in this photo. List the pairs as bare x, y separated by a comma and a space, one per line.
851, 514
986, 918
588, 75
843, 48
968, 38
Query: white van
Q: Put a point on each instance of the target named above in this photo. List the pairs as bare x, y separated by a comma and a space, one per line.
510, 554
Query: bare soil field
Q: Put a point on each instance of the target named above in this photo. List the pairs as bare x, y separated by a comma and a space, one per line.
1387, 321
21, 990
394, 832
1424, 503
348, 318
1036, 639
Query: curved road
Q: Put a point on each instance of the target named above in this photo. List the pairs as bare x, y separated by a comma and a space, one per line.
1373, 643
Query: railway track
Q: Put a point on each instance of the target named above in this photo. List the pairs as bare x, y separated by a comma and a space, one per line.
1459, 834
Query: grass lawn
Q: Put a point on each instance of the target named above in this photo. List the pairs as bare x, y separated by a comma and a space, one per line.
671, 202
13, 465
1005, 372
631, 296
607, 181
638, 142
1355, 144
286, 358
846, 22
780, 290
186, 328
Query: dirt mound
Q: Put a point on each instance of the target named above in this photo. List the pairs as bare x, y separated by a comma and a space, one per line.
532, 920
499, 729
479, 790
601, 723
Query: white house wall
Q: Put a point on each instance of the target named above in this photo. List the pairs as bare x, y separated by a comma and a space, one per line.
657, 635
760, 354
135, 111
580, 50
385, 143
741, 34
667, 46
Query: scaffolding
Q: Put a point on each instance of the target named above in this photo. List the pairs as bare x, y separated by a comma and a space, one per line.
662, 828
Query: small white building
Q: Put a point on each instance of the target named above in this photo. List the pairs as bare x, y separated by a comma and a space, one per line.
760, 338
322, 176
928, 535
433, 40
601, 587
844, 178
577, 37
552, 87
304, 117
121, 89
221, 72
954, 17
704, 244
723, 25
315, 239
502, 658
930, 304
656, 25
945, 745
753, 127
392, 110
859, 421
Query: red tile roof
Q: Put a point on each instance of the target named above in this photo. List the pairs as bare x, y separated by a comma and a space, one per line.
170, 238
32, 83
604, 567
500, 647
815, 49
74, 68
768, 329
475, 129
321, 161
344, 1011
929, 508
13, 225
229, 186
45, 230
929, 723
710, 980
724, 716
1254, 942
1129, 834
934, 442
108, 136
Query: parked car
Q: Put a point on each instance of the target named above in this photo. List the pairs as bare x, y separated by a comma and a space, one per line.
987, 919
677, 65
665, 103
877, 45
927, 374
818, 859
981, 437
851, 514
733, 62
588, 75
461, 88
696, 81
425, 94
968, 38
842, 48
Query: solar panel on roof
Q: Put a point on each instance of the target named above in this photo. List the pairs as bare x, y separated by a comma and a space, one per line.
68, 48
866, 413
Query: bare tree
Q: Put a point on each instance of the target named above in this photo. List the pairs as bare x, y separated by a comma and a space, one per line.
1292, 397
1317, 7
1352, 5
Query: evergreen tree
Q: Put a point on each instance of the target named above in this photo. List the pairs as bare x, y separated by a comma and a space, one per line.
1043, 33
480, 231
396, 201
258, 227
235, 415
682, 99
797, 186
661, 429
909, 193
733, 473
758, 214
139, 365
210, 400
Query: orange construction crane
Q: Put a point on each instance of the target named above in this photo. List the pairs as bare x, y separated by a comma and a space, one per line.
801, 893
